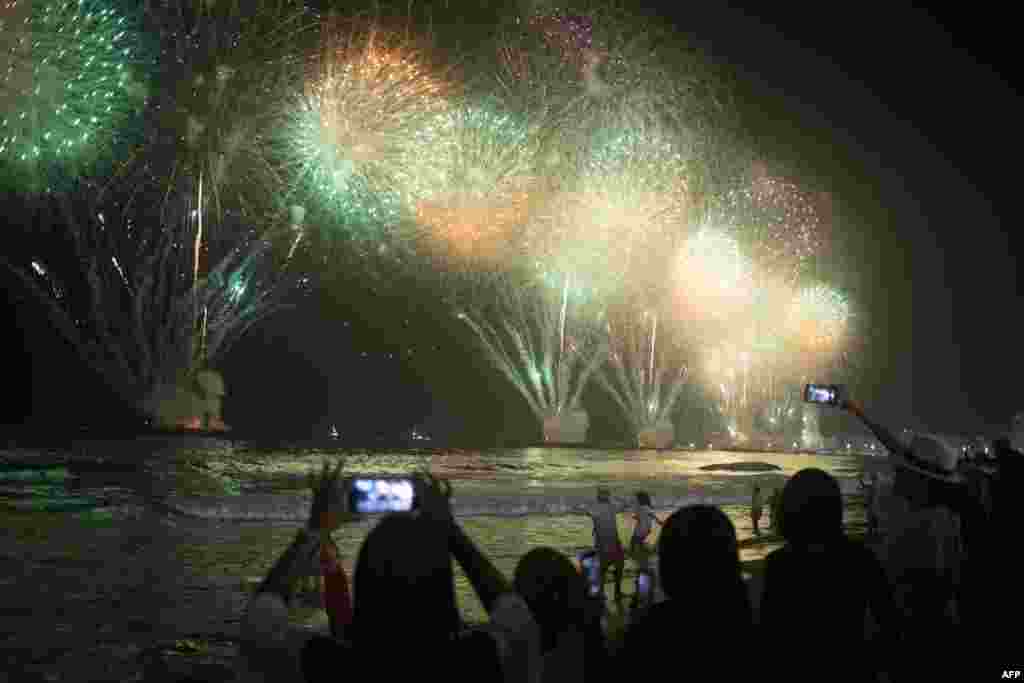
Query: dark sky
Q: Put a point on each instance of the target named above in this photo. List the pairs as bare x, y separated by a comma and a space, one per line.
910, 118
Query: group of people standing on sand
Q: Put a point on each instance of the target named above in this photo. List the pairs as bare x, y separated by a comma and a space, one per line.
610, 552
612, 555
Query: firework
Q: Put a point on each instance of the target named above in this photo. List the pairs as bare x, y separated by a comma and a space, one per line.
357, 141
781, 227
613, 224
66, 83
547, 355
596, 66
482, 184
226, 76
644, 374
818, 317
715, 279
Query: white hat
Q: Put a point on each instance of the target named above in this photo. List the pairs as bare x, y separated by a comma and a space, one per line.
932, 456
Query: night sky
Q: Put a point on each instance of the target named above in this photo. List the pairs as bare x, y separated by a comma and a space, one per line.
911, 119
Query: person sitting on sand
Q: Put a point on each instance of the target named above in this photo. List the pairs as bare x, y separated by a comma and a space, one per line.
606, 535
707, 607
819, 587
405, 601
755, 509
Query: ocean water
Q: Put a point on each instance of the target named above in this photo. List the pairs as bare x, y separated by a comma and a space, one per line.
508, 501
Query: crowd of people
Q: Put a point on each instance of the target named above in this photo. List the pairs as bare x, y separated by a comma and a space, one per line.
917, 602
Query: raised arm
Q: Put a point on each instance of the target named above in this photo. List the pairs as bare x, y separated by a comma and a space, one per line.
303, 555
892, 444
432, 498
270, 645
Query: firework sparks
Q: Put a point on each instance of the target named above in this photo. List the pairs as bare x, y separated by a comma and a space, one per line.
781, 226
66, 86
715, 278
600, 67
819, 317
645, 374
481, 192
359, 138
548, 357
613, 224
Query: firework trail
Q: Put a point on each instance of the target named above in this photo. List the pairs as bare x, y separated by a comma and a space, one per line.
527, 338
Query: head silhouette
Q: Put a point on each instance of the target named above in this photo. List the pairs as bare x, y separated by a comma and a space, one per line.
404, 586
603, 494
553, 589
698, 552
812, 508
643, 498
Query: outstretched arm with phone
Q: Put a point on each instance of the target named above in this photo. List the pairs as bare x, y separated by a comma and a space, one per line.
891, 443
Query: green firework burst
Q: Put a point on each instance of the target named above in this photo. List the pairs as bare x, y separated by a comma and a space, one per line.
480, 186
66, 85
363, 128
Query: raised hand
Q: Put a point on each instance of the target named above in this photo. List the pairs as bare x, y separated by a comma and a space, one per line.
433, 498
850, 405
329, 508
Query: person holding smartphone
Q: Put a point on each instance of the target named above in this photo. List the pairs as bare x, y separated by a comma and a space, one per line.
405, 604
986, 577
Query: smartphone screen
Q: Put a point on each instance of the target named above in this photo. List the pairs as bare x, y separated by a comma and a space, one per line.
821, 393
381, 495
643, 585
591, 570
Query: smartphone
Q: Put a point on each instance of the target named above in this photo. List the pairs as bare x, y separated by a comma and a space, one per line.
591, 568
829, 394
381, 495
643, 586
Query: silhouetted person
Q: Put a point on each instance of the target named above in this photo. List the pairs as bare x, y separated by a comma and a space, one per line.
405, 618
707, 608
755, 509
872, 495
986, 577
820, 585
775, 510
572, 642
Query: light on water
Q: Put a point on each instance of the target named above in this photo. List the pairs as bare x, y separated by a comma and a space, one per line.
509, 501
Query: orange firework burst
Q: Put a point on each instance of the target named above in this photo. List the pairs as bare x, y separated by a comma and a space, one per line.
481, 183
474, 228
365, 130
